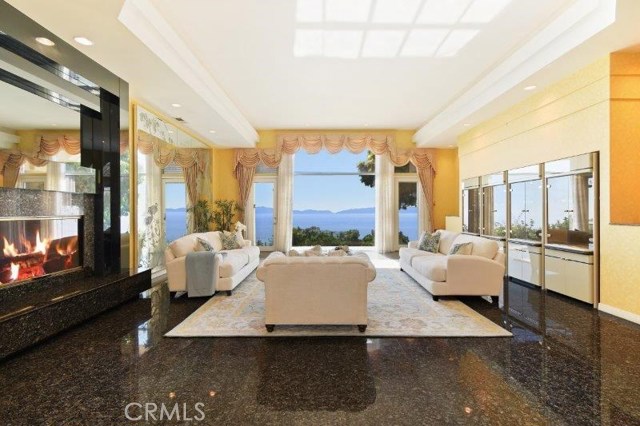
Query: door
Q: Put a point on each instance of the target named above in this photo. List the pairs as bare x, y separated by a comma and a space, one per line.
174, 196
407, 219
264, 214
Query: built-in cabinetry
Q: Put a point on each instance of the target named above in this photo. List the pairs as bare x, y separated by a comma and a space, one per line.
471, 206
548, 214
571, 227
525, 261
569, 273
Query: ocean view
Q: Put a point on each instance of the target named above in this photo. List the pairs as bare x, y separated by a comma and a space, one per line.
361, 219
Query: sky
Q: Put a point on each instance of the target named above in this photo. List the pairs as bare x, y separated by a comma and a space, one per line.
333, 193
175, 196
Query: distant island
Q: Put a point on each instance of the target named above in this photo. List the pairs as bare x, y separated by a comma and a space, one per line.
363, 210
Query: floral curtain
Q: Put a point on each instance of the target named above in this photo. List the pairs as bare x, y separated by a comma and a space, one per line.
246, 160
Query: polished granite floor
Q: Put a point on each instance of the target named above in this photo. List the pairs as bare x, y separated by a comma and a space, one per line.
565, 365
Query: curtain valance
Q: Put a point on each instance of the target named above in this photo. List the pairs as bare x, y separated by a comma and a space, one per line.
165, 153
246, 160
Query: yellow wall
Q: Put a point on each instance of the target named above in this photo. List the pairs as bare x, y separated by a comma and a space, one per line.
446, 197
445, 187
571, 117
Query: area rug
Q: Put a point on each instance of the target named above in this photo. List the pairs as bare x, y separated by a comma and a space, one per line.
397, 306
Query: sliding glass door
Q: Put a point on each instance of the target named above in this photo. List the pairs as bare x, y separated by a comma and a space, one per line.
264, 213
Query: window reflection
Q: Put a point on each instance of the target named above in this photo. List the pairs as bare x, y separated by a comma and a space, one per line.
494, 217
571, 208
471, 210
526, 210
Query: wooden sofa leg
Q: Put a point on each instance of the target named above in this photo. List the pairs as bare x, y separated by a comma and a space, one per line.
270, 327
362, 328
435, 298
229, 292
401, 270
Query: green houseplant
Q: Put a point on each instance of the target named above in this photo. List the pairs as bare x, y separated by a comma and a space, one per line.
202, 216
223, 214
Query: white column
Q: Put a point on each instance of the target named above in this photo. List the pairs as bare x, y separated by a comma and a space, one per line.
385, 205
284, 210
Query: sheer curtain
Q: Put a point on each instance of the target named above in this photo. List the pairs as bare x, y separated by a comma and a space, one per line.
385, 205
284, 221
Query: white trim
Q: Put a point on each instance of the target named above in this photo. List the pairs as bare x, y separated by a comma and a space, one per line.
149, 25
581, 21
617, 312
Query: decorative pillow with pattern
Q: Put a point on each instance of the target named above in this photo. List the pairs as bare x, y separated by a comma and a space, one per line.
429, 242
205, 245
229, 241
463, 248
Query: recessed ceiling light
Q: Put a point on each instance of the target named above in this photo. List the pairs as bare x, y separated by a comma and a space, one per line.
45, 41
83, 41
529, 88
176, 105
467, 124
212, 131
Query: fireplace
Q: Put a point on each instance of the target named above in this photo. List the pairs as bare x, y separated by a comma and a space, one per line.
39, 246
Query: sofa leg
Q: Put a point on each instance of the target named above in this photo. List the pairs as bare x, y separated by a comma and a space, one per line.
401, 270
229, 292
362, 328
435, 298
270, 327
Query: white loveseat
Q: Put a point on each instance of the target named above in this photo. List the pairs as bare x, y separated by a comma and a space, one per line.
479, 274
232, 268
316, 289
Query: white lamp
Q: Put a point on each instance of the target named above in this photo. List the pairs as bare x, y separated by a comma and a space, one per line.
453, 223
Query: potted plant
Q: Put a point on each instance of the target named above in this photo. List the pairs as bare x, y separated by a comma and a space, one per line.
223, 214
202, 216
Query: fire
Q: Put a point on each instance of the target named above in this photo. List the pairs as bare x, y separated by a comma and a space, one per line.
15, 271
41, 245
9, 249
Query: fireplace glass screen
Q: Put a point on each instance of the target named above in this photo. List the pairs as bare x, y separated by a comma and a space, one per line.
35, 247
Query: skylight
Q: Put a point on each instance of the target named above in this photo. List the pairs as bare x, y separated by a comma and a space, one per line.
382, 43
396, 11
351, 29
347, 10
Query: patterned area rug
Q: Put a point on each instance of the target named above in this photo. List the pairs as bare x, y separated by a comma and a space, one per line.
398, 306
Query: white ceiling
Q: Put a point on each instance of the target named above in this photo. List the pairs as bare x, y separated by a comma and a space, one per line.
236, 65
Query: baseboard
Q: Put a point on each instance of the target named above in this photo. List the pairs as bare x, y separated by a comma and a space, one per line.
629, 316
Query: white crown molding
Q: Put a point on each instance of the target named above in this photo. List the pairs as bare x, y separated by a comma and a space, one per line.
581, 21
149, 25
629, 316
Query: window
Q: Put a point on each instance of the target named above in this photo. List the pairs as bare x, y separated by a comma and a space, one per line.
175, 209
334, 199
264, 212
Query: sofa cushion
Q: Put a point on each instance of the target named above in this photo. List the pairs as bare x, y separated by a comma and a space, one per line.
233, 262
446, 240
432, 267
483, 247
461, 248
184, 245
214, 239
229, 241
429, 242
252, 252
205, 245
407, 254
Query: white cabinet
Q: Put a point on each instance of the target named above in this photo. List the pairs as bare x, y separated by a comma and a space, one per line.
525, 262
570, 274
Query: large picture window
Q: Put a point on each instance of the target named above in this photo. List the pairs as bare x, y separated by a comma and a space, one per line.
334, 199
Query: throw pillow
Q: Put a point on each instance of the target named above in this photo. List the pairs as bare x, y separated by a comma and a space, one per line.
429, 242
293, 253
463, 248
239, 238
338, 252
229, 241
206, 246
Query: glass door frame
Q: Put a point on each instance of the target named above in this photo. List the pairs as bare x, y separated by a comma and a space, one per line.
420, 204
251, 223
170, 179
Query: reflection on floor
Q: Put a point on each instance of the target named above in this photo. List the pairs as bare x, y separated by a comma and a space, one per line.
566, 364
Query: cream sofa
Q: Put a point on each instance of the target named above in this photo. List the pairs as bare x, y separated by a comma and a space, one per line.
479, 274
232, 268
316, 289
